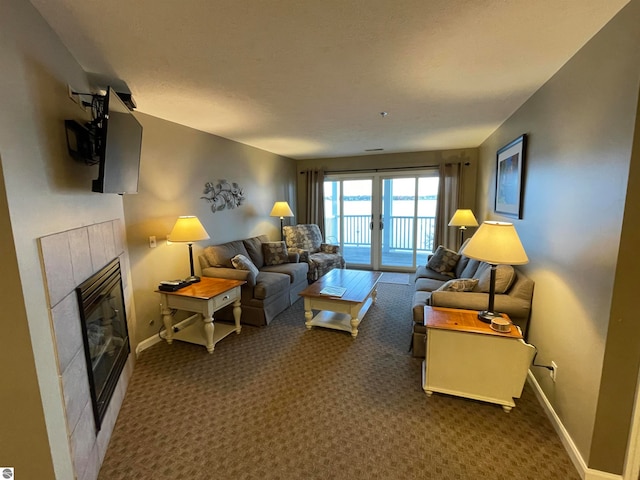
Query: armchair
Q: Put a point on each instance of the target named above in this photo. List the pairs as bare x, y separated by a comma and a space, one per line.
306, 240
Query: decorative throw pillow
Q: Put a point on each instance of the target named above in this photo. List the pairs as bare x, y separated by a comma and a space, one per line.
505, 275
240, 262
459, 285
443, 261
275, 253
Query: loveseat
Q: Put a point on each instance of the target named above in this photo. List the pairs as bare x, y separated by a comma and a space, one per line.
461, 282
306, 239
274, 276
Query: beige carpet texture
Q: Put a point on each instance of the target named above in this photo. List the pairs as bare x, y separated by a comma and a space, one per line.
284, 402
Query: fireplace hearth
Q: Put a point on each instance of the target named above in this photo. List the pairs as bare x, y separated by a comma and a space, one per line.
105, 334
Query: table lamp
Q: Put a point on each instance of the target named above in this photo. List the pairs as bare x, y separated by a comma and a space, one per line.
281, 209
496, 243
188, 229
463, 218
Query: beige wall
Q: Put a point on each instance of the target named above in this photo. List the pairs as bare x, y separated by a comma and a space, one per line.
580, 127
176, 163
46, 192
393, 161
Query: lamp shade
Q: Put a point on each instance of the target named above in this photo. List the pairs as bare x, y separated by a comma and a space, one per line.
463, 218
188, 229
281, 209
496, 243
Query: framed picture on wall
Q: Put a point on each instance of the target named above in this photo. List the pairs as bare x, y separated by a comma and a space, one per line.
509, 177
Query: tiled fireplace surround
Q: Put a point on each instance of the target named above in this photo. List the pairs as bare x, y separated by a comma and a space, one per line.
69, 258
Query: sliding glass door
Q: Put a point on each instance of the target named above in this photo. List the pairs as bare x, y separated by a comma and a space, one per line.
348, 211
384, 222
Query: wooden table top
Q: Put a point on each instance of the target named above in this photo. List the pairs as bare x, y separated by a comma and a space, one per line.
206, 288
359, 284
463, 321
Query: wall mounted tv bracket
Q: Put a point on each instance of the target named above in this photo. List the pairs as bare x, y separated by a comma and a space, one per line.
84, 142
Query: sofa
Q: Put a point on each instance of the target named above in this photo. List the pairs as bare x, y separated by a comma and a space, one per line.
463, 283
306, 239
274, 276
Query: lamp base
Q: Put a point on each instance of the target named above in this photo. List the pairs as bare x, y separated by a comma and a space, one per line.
486, 316
192, 279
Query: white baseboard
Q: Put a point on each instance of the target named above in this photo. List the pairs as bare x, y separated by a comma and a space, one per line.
585, 472
151, 341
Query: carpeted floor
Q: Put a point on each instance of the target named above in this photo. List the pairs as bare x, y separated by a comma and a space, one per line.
284, 402
394, 277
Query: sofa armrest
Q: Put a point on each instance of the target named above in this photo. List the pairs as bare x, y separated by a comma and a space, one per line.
204, 263
294, 257
329, 248
230, 274
517, 308
303, 254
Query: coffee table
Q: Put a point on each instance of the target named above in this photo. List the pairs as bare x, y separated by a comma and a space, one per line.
345, 311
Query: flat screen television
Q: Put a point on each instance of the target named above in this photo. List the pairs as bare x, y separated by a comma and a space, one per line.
119, 146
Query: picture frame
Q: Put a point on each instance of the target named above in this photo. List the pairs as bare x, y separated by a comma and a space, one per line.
510, 163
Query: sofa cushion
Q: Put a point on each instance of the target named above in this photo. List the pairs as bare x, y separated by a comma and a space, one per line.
423, 272
254, 248
275, 253
505, 275
469, 271
270, 284
459, 285
297, 271
443, 260
221, 255
240, 262
460, 266
428, 284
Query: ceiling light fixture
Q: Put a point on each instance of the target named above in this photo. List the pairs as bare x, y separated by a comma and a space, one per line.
384, 114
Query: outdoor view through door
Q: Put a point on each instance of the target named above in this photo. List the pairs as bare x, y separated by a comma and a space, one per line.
382, 221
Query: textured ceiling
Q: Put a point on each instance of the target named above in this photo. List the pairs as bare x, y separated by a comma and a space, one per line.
309, 78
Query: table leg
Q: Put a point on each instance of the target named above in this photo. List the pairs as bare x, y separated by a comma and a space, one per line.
237, 312
374, 294
208, 332
354, 320
168, 324
308, 313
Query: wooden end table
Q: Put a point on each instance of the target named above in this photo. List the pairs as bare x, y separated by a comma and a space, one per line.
204, 298
343, 312
465, 357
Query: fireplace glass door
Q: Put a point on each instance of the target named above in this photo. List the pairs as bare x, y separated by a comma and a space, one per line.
104, 330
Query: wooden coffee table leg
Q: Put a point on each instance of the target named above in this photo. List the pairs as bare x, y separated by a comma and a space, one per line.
354, 320
308, 314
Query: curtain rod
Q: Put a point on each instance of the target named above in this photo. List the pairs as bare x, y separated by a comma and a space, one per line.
390, 169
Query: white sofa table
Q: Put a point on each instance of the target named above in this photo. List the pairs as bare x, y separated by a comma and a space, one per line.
465, 357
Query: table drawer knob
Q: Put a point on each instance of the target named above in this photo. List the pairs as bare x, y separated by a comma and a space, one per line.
226, 297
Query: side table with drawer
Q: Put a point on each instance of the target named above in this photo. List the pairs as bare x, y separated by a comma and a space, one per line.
204, 299
465, 357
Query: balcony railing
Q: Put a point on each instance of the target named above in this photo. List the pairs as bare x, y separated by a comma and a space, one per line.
397, 233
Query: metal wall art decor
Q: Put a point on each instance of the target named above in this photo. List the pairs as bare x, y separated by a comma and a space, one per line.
223, 195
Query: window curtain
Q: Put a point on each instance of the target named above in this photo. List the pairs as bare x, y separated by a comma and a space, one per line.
314, 211
449, 199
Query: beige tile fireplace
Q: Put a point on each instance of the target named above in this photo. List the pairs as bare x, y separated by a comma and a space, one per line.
69, 258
